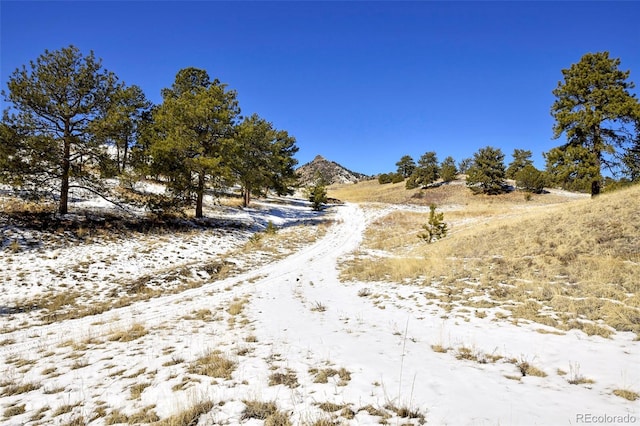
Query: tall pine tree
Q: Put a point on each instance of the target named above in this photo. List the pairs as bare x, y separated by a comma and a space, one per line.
192, 127
55, 103
595, 109
262, 158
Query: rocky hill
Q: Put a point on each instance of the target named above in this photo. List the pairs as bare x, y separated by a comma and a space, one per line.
331, 171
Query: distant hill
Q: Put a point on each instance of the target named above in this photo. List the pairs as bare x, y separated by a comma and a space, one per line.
331, 171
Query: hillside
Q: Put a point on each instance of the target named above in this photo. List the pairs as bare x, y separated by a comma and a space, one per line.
574, 263
264, 321
330, 171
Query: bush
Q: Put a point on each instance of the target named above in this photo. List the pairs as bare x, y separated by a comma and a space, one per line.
530, 179
384, 178
397, 178
411, 182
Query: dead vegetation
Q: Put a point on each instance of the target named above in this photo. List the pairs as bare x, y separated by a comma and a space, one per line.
570, 265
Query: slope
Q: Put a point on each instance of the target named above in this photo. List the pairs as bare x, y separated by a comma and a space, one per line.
569, 265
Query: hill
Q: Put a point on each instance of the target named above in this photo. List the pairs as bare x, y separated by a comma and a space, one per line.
331, 171
568, 264
526, 301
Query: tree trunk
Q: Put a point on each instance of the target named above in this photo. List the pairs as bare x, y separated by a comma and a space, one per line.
124, 155
247, 197
118, 158
595, 183
200, 194
63, 207
595, 188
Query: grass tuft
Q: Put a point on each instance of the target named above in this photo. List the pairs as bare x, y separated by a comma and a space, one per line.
189, 416
135, 332
213, 364
626, 394
288, 379
255, 409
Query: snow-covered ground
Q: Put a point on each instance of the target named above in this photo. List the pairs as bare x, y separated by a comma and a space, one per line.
372, 349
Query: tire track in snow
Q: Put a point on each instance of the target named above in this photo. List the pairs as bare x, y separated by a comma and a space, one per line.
342, 236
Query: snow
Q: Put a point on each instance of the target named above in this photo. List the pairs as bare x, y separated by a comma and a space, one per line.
298, 317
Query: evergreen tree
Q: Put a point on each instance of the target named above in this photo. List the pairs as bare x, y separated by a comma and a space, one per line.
435, 228
318, 196
464, 165
283, 179
406, 166
594, 108
385, 178
192, 128
262, 158
55, 104
317, 193
426, 172
521, 159
120, 125
487, 173
631, 159
448, 170
572, 167
530, 179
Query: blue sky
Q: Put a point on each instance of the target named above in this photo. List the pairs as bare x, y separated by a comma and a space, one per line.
361, 83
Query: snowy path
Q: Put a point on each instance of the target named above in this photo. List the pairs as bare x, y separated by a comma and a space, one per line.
156, 310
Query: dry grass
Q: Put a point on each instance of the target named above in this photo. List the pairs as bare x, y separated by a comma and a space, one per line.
135, 332
137, 389
455, 192
579, 260
260, 410
14, 410
323, 375
288, 379
11, 388
213, 364
527, 369
406, 412
189, 416
626, 394
236, 306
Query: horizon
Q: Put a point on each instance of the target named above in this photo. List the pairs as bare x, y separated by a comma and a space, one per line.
360, 83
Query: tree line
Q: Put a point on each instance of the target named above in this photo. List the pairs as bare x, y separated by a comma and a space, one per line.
593, 109
74, 124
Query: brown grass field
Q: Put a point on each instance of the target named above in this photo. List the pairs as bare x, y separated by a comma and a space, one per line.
558, 259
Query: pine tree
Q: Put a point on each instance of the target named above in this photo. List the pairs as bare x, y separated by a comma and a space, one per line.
262, 158
464, 165
426, 172
487, 173
530, 179
572, 167
594, 108
56, 102
521, 159
317, 194
435, 228
406, 166
120, 126
192, 128
631, 159
448, 170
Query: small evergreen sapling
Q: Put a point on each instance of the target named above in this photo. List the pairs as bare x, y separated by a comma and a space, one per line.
317, 195
435, 229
